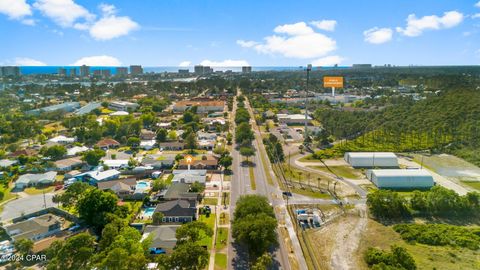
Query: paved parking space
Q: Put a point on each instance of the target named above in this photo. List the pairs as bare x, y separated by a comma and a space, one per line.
25, 205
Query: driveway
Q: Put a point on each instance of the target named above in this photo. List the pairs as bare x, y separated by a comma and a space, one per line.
25, 205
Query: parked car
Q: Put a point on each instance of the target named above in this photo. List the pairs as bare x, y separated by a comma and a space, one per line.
157, 251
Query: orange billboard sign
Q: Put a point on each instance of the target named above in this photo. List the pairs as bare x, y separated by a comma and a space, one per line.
333, 81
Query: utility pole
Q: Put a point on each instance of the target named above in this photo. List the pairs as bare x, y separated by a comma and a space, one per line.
44, 200
305, 139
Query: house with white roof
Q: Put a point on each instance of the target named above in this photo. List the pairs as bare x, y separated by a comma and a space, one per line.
189, 176
76, 150
62, 139
29, 179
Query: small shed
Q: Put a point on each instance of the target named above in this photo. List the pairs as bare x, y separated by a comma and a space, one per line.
371, 159
401, 178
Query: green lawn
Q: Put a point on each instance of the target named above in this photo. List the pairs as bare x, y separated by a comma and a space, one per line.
169, 179
472, 184
343, 171
210, 221
307, 192
210, 201
222, 238
265, 162
220, 261
38, 190
7, 195
253, 184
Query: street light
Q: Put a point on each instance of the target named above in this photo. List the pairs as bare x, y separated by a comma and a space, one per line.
305, 133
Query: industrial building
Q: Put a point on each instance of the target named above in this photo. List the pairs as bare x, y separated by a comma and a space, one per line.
293, 119
122, 106
401, 178
65, 107
202, 106
371, 159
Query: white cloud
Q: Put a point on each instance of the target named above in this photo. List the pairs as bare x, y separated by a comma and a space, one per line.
327, 25
328, 61
25, 61
63, 12
99, 60
225, 63
112, 27
477, 4
378, 35
246, 44
297, 41
30, 22
295, 29
475, 16
185, 64
416, 26
107, 9
15, 9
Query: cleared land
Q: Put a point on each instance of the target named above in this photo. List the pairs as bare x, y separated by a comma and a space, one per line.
426, 257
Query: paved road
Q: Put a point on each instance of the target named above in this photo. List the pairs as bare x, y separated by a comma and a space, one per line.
25, 205
350, 182
240, 185
274, 194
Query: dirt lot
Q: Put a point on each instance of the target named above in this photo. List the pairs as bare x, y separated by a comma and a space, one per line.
336, 243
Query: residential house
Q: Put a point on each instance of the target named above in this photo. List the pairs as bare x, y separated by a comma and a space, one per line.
148, 144
76, 150
165, 161
171, 146
68, 164
206, 144
23, 152
62, 140
206, 136
35, 228
207, 164
123, 187
94, 177
28, 180
116, 163
179, 211
107, 144
147, 135
189, 176
163, 238
178, 191
4, 163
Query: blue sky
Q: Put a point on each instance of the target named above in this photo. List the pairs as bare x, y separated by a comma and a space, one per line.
232, 33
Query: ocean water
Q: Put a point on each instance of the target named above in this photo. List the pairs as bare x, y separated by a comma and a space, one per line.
28, 70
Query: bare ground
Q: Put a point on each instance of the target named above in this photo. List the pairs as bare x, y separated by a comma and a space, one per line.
336, 244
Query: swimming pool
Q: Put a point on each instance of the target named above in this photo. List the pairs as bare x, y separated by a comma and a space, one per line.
149, 211
142, 185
